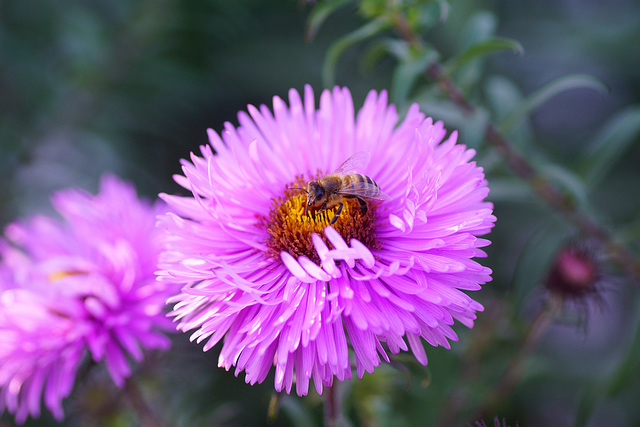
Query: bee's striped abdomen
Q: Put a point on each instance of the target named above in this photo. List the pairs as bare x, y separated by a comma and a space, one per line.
370, 189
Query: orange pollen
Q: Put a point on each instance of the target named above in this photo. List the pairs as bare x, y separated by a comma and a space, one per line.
290, 230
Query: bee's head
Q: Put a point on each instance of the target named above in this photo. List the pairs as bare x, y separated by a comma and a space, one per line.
315, 193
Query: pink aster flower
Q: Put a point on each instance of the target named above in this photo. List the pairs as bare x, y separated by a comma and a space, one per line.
285, 288
84, 284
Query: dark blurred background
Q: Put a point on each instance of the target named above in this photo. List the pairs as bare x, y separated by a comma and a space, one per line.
131, 87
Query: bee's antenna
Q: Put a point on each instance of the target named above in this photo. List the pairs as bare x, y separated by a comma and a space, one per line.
298, 188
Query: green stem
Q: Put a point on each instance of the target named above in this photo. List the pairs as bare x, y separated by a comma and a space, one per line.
331, 406
457, 407
140, 406
515, 369
403, 27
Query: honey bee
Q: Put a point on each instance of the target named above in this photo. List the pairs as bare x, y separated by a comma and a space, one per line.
343, 183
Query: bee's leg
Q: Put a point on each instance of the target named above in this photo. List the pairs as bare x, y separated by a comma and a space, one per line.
363, 206
337, 214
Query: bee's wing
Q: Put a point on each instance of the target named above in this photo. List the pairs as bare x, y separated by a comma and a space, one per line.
365, 190
357, 162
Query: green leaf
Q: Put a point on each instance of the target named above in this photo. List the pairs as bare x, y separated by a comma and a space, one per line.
548, 91
428, 14
297, 413
473, 129
365, 32
590, 397
441, 109
373, 8
623, 376
629, 234
445, 7
626, 373
400, 49
537, 255
568, 181
470, 126
374, 53
615, 137
481, 26
320, 13
477, 29
503, 97
481, 49
509, 190
491, 161
407, 72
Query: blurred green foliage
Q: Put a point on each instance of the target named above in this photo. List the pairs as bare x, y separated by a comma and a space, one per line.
130, 87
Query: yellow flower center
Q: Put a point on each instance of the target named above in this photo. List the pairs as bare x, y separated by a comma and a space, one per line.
290, 229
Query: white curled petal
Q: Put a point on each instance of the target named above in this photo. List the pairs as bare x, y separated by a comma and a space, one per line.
342, 251
331, 268
408, 218
295, 268
335, 238
328, 264
348, 255
321, 248
313, 269
363, 253
391, 269
397, 222
290, 289
411, 206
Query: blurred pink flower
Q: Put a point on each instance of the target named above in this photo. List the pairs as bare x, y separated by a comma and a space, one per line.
281, 288
86, 283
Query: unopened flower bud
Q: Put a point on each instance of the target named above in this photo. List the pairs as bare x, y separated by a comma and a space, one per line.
574, 273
